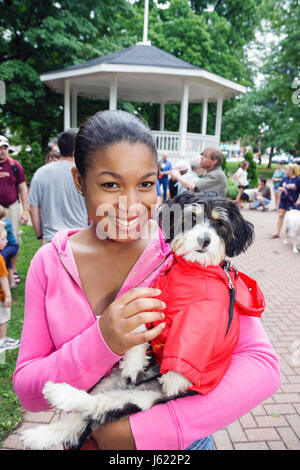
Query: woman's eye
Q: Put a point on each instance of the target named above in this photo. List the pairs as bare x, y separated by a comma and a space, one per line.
110, 185
147, 184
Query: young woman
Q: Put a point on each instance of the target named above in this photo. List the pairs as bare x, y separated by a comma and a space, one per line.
240, 177
83, 303
290, 191
278, 174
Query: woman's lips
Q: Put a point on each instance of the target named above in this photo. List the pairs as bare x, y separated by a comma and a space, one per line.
127, 223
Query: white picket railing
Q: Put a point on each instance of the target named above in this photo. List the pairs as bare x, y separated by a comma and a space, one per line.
169, 142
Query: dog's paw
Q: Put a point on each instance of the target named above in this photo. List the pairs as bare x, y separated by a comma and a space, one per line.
134, 363
61, 395
174, 383
37, 438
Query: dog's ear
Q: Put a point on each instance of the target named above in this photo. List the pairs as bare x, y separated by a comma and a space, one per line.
170, 214
242, 231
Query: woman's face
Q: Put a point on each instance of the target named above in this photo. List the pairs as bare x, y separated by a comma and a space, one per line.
289, 173
120, 190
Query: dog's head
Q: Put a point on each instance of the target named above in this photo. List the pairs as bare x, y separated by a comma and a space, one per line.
204, 229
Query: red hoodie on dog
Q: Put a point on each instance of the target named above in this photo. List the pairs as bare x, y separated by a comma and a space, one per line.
194, 341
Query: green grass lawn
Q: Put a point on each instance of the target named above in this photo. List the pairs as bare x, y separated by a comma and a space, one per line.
10, 409
263, 171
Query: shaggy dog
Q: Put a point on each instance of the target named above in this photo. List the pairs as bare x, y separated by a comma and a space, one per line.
292, 228
201, 230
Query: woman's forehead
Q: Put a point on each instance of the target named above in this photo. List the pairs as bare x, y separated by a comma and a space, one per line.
124, 157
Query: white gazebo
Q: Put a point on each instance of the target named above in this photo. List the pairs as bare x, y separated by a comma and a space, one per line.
144, 73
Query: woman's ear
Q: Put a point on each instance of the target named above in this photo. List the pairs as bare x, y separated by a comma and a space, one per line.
78, 181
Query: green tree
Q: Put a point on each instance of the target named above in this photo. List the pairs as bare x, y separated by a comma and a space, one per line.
36, 37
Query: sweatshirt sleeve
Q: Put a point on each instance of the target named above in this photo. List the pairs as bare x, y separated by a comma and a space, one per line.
81, 362
253, 376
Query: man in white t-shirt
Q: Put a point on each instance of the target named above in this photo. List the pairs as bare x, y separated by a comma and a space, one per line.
54, 201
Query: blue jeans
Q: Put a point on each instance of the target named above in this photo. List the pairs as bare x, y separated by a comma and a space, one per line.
8, 252
206, 443
165, 183
258, 204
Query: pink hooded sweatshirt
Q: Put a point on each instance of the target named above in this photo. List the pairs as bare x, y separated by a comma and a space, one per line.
62, 342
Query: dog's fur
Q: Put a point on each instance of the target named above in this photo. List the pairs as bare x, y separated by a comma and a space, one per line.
202, 230
292, 228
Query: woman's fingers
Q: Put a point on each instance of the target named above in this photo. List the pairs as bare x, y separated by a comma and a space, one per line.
142, 318
141, 305
146, 336
137, 293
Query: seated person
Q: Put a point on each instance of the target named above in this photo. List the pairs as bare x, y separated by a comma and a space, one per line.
262, 195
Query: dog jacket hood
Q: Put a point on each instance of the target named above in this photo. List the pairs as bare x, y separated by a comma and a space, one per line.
194, 341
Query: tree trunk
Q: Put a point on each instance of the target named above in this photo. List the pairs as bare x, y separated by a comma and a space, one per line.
44, 142
271, 154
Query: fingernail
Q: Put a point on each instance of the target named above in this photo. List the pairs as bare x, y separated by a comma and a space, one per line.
163, 315
158, 291
163, 305
163, 325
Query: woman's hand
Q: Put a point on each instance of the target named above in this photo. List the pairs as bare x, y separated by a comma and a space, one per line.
115, 436
125, 314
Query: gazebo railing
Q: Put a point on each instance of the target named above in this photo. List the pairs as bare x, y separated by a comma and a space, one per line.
169, 142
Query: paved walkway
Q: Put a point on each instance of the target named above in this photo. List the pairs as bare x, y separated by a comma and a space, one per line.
275, 423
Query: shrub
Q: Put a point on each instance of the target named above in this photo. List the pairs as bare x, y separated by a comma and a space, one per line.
252, 171
232, 189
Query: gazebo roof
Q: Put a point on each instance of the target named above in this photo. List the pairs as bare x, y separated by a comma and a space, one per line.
138, 55
144, 74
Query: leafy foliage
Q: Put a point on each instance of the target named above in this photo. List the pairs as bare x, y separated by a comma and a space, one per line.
36, 37
252, 172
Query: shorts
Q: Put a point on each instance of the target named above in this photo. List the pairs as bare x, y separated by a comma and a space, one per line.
4, 313
286, 205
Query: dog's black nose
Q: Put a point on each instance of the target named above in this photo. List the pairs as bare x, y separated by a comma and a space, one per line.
204, 240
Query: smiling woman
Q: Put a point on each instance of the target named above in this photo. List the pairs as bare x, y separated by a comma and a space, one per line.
83, 303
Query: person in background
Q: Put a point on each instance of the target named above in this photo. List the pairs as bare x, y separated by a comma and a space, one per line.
164, 169
278, 174
240, 177
10, 251
262, 196
182, 168
213, 179
191, 175
5, 300
13, 188
290, 190
52, 156
54, 202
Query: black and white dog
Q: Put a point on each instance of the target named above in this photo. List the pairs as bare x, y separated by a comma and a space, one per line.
203, 230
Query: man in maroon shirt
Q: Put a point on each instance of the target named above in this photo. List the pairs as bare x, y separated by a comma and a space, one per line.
12, 189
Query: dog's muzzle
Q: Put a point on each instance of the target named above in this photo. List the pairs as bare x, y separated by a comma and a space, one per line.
204, 241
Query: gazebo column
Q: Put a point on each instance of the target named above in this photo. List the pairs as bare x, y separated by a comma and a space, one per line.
204, 116
74, 108
162, 116
67, 105
184, 118
204, 121
219, 119
113, 92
